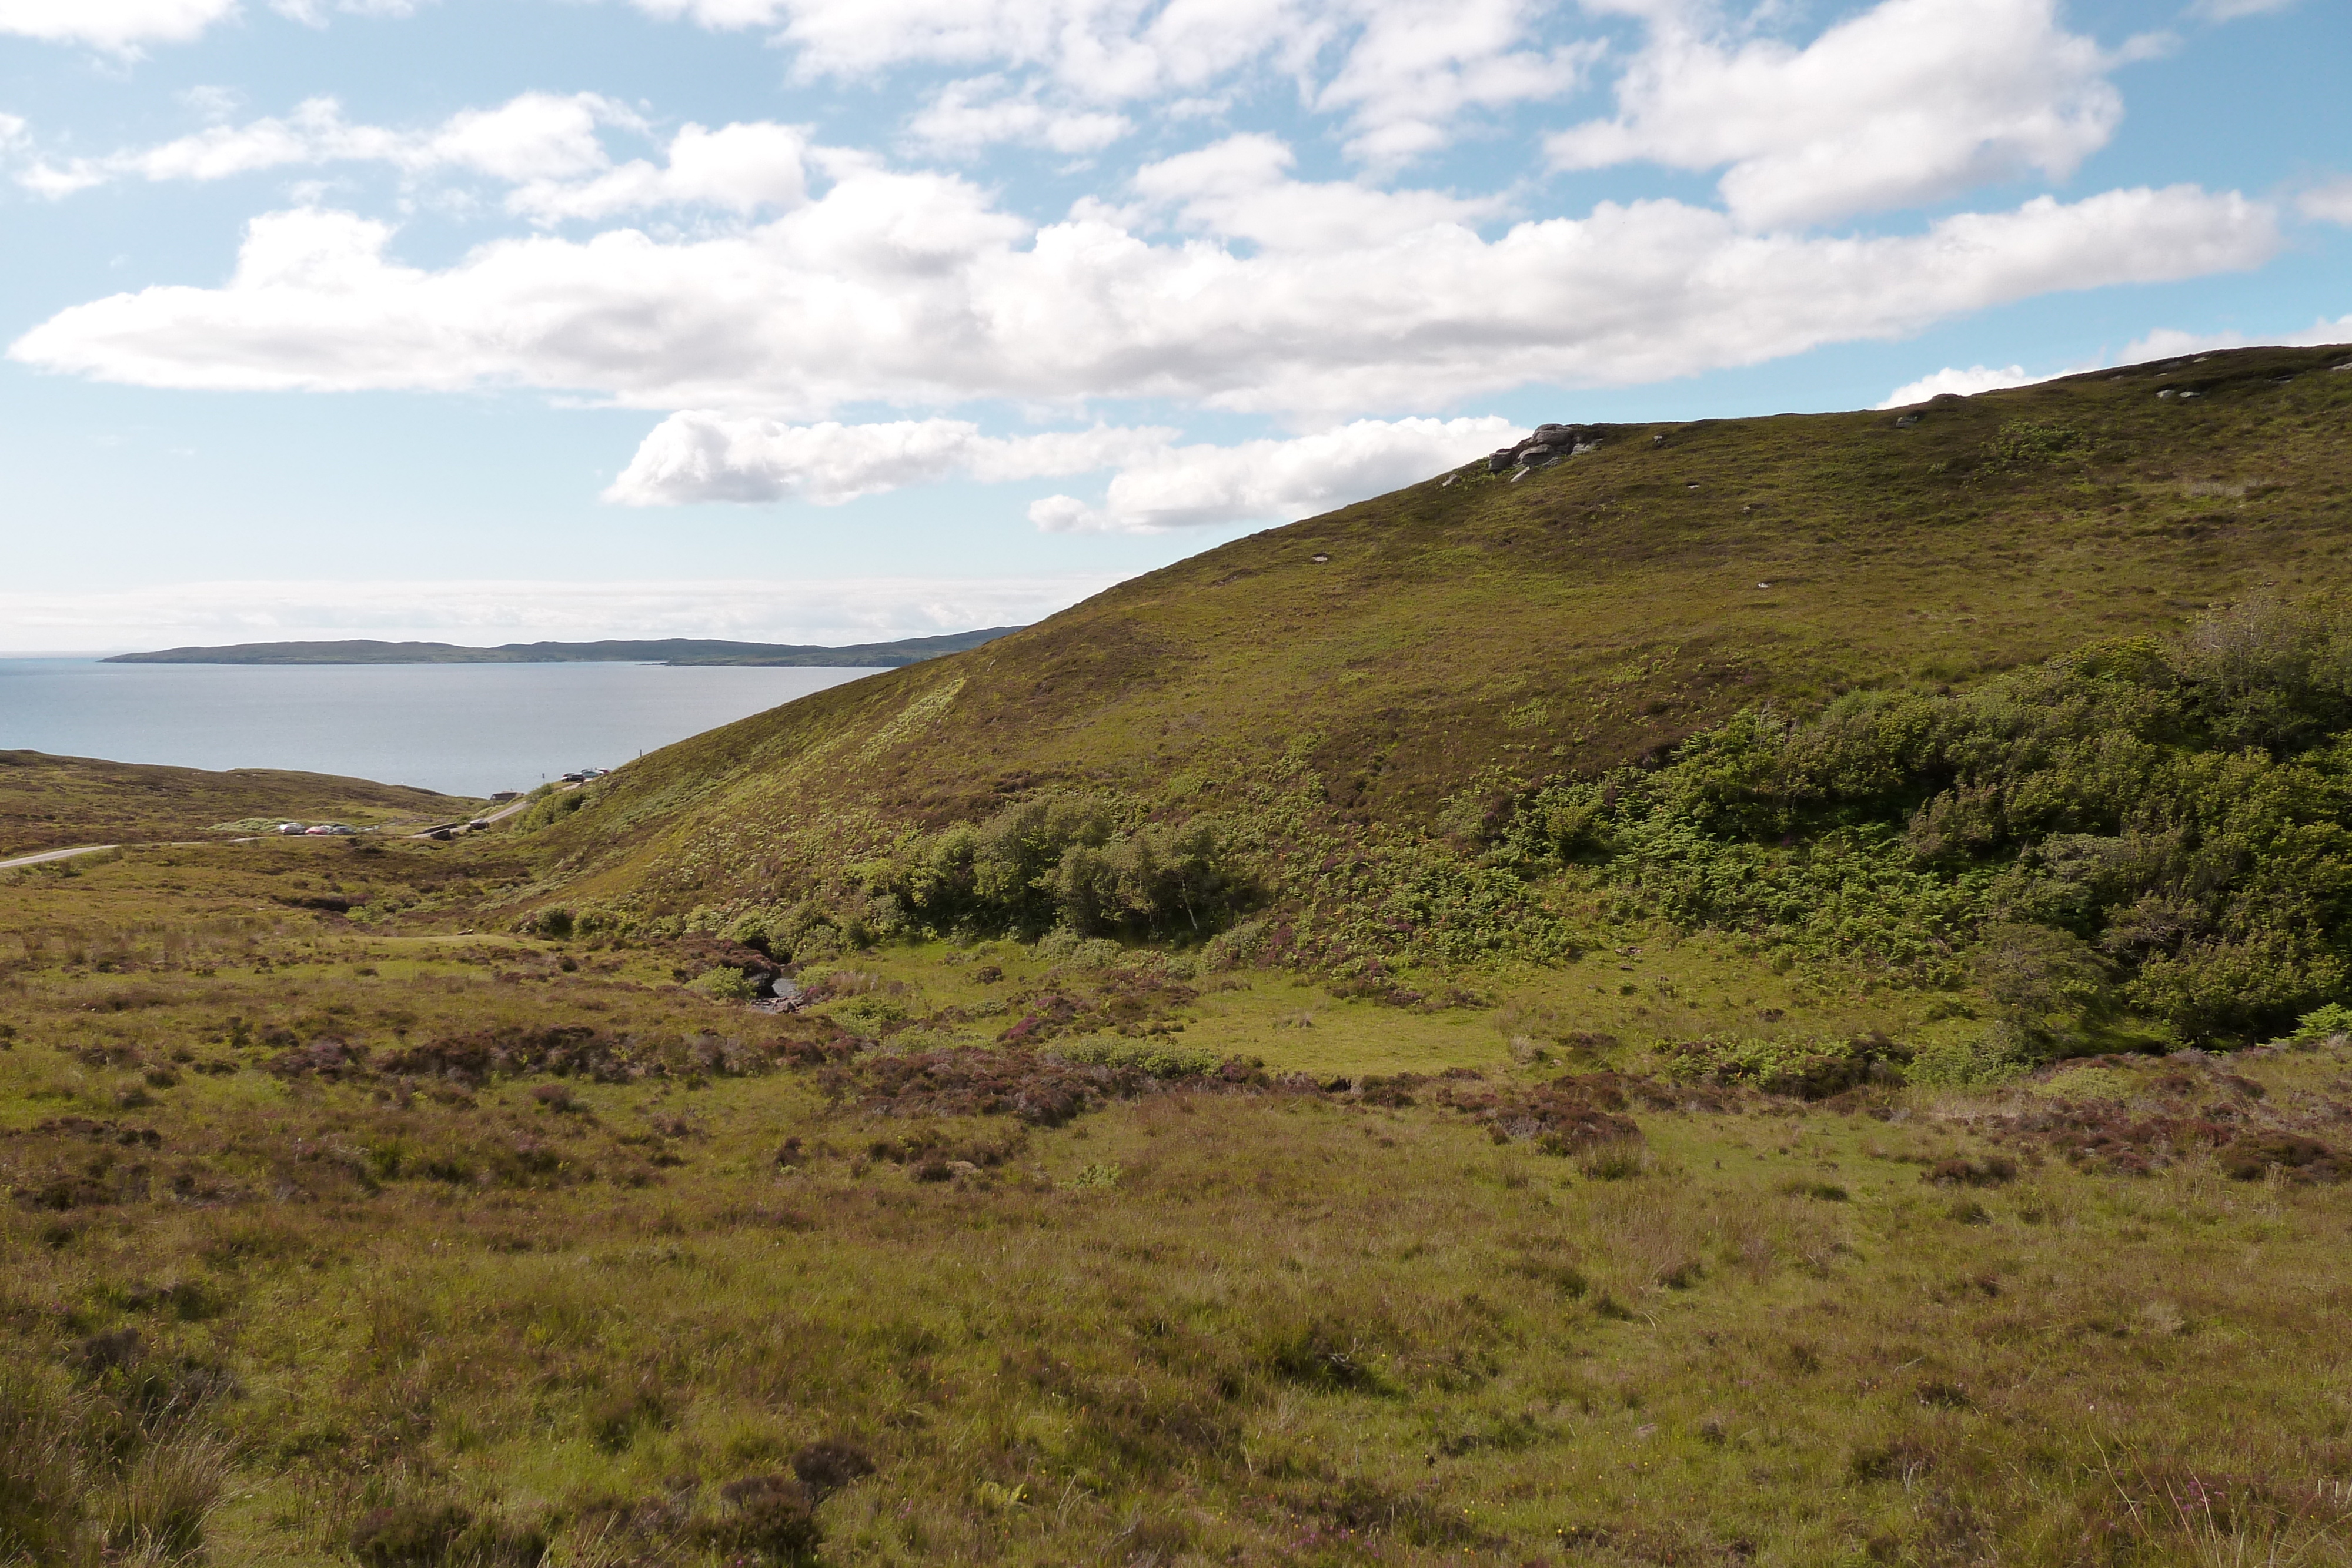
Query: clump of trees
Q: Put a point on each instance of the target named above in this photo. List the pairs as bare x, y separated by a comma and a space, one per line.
1066, 861
1073, 862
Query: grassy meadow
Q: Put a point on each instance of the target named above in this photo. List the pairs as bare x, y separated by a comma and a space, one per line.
336, 1242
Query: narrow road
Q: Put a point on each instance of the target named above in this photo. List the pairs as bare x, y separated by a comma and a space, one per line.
500, 815
56, 855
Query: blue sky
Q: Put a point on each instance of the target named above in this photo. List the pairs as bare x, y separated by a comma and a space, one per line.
827, 319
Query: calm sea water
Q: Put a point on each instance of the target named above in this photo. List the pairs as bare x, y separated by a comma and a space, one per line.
465, 729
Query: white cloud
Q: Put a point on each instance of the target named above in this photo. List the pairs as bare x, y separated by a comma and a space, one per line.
12, 131
916, 288
699, 455
2230, 10
1240, 188
550, 149
2172, 342
705, 456
313, 14
534, 136
115, 24
795, 610
1274, 481
1910, 103
1962, 383
1419, 64
967, 117
1403, 72
2329, 204
211, 102
738, 168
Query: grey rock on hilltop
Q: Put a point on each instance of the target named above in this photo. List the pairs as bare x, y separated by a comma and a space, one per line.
1550, 443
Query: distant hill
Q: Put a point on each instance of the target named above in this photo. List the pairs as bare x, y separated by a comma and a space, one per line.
1523, 622
53, 802
661, 651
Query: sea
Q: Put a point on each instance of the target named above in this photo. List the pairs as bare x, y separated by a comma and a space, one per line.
462, 730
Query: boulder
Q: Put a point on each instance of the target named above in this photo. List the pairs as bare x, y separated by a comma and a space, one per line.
1548, 444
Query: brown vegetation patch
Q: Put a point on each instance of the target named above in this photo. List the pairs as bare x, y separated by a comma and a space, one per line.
2179, 1105
577, 1050
1125, 1002
1564, 1116
1035, 1086
100, 1132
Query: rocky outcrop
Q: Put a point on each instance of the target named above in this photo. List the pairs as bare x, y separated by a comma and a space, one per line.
1550, 443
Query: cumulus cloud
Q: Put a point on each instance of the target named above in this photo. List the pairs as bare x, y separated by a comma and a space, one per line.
966, 117
1961, 383
916, 287
1240, 188
2172, 342
796, 609
707, 456
313, 14
1909, 102
2230, 10
1418, 65
1403, 73
738, 168
1273, 480
549, 149
2329, 204
113, 24
701, 455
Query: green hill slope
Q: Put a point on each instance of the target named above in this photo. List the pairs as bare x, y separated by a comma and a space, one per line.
50, 802
1390, 655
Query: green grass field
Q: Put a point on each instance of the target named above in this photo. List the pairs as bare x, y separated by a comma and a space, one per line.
423, 1246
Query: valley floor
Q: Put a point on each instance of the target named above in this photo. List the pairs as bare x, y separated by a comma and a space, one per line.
338, 1238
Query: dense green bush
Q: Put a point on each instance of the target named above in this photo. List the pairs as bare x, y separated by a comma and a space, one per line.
2157, 826
1066, 861
1081, 865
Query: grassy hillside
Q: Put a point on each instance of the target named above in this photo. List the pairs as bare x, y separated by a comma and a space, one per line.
50, 802
1572, 619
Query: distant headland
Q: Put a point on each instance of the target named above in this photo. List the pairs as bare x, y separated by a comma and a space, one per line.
660, 650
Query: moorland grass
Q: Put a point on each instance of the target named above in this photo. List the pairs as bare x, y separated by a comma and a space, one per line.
366, 1295
55, 802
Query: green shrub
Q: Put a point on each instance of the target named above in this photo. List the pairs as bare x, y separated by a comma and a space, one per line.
2167, 826
2321, 1024
723, 984
1159, 1060
868, 1012
1806, 1069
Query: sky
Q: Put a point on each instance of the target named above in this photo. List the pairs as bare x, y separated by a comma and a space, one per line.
830, 320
